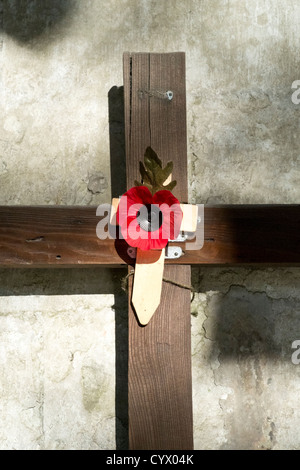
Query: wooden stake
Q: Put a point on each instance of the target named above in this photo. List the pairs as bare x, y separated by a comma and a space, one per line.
147, 284
159, 368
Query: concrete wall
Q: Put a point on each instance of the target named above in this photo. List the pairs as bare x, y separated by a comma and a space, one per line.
58, 61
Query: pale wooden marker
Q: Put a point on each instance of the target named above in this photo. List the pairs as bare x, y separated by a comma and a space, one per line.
190, 218
113, 211
147, 284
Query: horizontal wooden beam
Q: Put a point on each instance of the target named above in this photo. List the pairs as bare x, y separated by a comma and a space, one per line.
64, 236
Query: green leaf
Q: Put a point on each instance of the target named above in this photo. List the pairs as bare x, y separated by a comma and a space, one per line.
164, 174
170, 186
153, 174
152, 156
151, 166
147, 176
149, 186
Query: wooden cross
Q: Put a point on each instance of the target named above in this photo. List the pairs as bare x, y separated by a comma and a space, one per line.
159, 366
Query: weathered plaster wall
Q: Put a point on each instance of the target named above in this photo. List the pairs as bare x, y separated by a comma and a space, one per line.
58, 61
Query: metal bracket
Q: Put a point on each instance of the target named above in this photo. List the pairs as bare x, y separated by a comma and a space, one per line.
180, 239
172, 252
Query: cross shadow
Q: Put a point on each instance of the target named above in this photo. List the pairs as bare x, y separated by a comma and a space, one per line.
249, 320
118, 187
117, 141
121, 345
250, 323
25, 20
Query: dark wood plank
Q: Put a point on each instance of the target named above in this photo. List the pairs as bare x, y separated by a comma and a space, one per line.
137, 131
160, 404
235, 235
159, 369
168, 118
36, 237
250, 234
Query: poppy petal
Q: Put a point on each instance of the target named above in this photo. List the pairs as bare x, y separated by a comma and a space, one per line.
130, 205
172, 213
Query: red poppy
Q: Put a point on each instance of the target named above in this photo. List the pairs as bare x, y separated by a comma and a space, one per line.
148, 222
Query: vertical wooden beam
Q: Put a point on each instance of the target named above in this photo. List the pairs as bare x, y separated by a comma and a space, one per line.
159, 368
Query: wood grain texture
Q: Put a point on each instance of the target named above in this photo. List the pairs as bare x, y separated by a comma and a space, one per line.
36, 237
235, 235
160, 402
159, 368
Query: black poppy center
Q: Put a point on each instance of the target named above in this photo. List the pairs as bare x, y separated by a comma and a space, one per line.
149, 218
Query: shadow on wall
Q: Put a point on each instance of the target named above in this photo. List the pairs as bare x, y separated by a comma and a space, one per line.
250, 319
118, 187
25, 20
241, 325
117, 140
